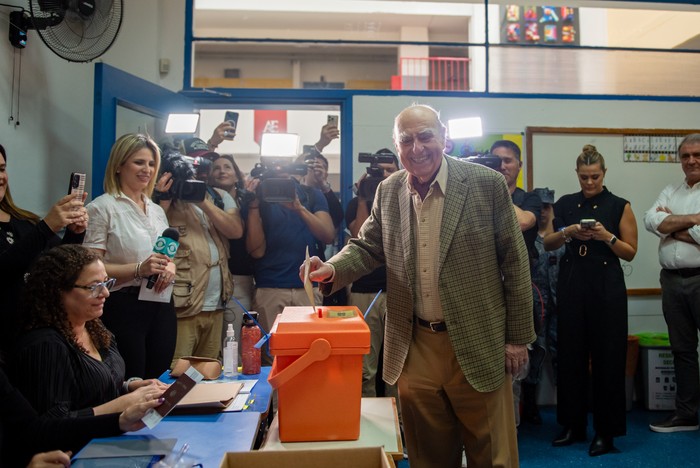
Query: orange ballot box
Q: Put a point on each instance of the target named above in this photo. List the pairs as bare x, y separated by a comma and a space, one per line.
317, 372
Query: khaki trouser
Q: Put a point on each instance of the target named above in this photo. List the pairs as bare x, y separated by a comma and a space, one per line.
199, 335
442, 412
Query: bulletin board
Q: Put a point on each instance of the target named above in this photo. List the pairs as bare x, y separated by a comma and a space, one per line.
640, 163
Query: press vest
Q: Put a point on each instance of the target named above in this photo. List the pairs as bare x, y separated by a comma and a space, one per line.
193, 260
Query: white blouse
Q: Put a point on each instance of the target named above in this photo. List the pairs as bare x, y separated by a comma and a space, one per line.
119, 227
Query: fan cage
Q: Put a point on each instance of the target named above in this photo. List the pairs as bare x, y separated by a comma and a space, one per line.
75, 31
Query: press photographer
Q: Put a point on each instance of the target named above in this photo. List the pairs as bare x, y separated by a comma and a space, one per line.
382, 164
278, 233
276, 179
527, 207
184, 174
487, 159
206, 219
317, 177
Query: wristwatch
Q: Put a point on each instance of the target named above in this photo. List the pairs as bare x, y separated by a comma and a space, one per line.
612, 240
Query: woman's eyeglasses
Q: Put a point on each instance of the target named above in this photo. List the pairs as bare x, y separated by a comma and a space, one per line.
97, 288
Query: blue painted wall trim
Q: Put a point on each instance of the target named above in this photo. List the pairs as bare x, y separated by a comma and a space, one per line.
115, 87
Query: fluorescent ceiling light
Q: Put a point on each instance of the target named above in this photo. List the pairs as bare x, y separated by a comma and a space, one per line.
182, 123
467, 127
279, 144
342, 6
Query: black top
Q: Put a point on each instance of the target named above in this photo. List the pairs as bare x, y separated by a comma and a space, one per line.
529, 201
23, 433
335, 209
28, 241
59, 380
239, 261
372, 282
605, 208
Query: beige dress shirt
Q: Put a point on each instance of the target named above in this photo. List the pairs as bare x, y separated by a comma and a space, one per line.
427, 221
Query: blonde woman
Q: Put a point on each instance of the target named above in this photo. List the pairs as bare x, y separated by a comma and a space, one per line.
124, 225
598, 229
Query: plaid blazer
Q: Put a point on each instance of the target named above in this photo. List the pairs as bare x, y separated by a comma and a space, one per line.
484, 275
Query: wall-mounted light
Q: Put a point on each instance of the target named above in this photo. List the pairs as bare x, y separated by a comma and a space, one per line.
467, 127
182, 123
279, 144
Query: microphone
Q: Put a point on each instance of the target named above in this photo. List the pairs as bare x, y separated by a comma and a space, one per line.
166, 244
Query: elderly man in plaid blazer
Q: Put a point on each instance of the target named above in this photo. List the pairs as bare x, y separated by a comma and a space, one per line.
459, 300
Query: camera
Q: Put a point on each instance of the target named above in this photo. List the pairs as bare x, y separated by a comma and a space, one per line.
375, 174
587, 223
310, 154
185, 172
243, 196
270, 168
275, 187
486, 159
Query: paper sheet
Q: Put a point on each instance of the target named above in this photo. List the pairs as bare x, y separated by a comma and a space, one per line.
146, 294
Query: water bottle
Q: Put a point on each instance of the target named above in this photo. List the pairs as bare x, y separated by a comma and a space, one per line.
250, 335
230, 353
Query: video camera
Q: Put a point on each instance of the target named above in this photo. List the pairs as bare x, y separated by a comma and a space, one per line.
270, 168
486, 159
185, 171
375, 174
274, 188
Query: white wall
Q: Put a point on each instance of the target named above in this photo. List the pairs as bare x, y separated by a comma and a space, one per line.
55, 132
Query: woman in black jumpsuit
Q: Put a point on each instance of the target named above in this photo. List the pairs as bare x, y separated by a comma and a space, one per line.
592, 296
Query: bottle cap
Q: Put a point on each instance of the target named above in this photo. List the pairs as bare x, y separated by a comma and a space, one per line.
229, 330
248, 320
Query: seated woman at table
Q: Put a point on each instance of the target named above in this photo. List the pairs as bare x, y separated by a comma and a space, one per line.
23, 433
68, 364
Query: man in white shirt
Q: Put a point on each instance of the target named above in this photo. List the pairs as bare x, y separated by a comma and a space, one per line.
675, 218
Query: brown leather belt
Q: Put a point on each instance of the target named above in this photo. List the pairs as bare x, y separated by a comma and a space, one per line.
434, 326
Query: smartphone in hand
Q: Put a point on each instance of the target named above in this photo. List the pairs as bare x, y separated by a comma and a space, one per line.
587, 223
76, 185
232, 118
332, 120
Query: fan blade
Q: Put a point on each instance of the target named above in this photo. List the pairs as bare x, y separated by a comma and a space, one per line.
47, 22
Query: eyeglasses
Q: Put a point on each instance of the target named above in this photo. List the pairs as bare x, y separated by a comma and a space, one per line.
97, 288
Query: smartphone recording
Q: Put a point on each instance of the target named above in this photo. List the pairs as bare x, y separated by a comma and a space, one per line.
232, 118
76, 184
